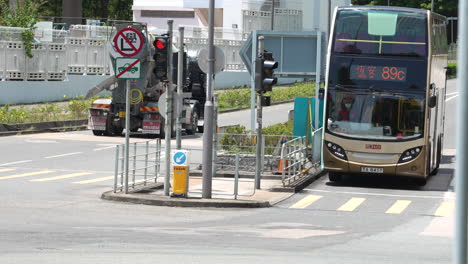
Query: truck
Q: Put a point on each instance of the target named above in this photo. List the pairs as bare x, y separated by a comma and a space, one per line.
107, 115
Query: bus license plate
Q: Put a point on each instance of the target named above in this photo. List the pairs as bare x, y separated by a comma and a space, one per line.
371, 170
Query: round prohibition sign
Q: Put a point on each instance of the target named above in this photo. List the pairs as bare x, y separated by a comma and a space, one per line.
128, 42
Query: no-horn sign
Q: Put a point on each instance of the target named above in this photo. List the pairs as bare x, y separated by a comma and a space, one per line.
128, 42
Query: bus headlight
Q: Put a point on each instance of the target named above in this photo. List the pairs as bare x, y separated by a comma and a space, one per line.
410, 154
336, 150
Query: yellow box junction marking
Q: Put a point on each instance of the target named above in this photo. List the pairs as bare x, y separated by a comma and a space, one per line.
445, 209
398, 207
5, 170
25, 175
308, 200
95, 180
62, 177
352, 204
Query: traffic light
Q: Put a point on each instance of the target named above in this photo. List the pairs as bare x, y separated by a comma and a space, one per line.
264, 70
161, 57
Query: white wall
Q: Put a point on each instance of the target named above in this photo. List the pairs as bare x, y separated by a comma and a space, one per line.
158, 4
232, 13
161, 22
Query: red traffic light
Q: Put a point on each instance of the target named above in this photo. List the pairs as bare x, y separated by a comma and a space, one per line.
160, 44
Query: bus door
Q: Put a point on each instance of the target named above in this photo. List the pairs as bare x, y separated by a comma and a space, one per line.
433, 135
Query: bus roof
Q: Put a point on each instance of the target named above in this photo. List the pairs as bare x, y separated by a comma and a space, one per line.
390, 8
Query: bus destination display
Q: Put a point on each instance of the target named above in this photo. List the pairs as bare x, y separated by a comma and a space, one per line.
378, 73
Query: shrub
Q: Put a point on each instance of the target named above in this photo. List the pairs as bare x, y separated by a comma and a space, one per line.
452, 70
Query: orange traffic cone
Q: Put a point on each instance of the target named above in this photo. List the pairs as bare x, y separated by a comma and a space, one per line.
280, 161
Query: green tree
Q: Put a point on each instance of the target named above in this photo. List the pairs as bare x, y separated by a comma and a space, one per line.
25, 15
444, 7
120, 9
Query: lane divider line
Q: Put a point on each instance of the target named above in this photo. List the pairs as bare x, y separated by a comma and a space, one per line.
398, 207
445, 209
5, 170
351, 204
99, 149
25, 175
16, 162
62, 177
305, 202
94, 180
62, 155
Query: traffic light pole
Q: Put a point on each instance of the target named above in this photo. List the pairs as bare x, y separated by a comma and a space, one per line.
208, 125
168, 123
258, 163
180, 84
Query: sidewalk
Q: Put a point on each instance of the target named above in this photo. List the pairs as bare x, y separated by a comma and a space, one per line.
272, 192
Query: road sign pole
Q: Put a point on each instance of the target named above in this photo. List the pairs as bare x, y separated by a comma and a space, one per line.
168, 123
180, 85
127, 132
208, 125
461, 168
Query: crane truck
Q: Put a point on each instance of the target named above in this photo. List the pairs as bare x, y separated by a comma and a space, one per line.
107, 115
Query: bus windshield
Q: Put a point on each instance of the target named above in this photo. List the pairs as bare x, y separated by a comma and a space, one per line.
375, 115
382, 33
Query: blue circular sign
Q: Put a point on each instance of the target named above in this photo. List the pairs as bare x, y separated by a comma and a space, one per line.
180, 158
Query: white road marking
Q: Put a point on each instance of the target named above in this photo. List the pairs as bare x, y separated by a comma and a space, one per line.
379, 194
448, 99
98, 149
16, 162
62, 155
451, 93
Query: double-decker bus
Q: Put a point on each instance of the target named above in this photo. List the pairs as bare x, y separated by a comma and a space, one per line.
385, 92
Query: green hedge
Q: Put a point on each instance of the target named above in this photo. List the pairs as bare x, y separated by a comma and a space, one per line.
452, 70
240, 98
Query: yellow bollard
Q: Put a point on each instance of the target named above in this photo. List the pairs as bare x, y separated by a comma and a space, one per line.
180, 181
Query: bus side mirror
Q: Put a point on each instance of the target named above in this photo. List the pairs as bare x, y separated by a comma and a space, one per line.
321, 94
432, 101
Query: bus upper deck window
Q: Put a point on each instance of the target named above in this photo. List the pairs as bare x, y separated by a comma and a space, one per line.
382, 23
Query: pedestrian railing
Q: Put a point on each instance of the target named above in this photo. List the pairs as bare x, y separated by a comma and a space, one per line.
144, 166
299, 156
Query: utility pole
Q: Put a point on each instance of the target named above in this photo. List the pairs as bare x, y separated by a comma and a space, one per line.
461, 167
272, 15
180, 84
208, 125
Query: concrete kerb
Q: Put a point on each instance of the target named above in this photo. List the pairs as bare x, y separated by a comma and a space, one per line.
275, 195
160, 200
42, 127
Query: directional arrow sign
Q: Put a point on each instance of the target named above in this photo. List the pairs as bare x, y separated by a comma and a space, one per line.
180, 158
127, 68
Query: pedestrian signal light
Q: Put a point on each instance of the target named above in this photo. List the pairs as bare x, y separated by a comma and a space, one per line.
160, 57
264, 70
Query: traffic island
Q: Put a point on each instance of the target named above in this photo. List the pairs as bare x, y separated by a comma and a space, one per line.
160, 200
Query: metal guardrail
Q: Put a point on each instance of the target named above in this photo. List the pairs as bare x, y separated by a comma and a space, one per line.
297, 157
144, 165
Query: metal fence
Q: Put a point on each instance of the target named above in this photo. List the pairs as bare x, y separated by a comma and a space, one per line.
80, 50
144, 166
300, 155
452, 53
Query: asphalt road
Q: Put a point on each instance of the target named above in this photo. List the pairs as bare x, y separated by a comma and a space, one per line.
50, 186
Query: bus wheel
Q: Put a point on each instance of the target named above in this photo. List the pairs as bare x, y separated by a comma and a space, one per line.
334, 177
421, 182
98, 132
